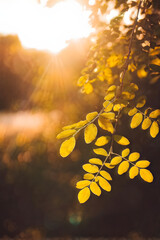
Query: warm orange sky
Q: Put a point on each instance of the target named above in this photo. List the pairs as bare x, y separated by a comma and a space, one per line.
44, 28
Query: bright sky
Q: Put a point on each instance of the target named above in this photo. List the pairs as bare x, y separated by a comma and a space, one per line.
44, 28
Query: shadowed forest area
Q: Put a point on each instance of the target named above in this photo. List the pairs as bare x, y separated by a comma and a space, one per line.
38, 198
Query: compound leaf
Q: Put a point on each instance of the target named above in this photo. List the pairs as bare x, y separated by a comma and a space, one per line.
101, 141
146, 123
121, 140
125, 152
133, 172
95, 161
123, 167
84, 195
90, 168
67, 147
154, 129
90, 133
116, 160
100, 151
66, 133
134, 156
106, 175
136, 120
91, 116
142, 164
104, 184
146, 175
95, 188
83, 183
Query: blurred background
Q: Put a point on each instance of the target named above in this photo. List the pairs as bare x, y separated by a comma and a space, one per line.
39, 68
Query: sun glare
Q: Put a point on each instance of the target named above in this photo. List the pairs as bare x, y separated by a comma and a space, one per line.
44, 28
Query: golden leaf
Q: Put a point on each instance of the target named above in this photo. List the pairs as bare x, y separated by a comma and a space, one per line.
88, 176
84, 195
136, 120
108, 165
109, 115
146, 123
123, 167
142, 164
95, 188
106, 175
132, 111
67, 147
141, 102
83, 183
116, 160
88, 88
111, 88
95, 161
110, 96
154, 129
104, 184
125, 152
91, 116
100, 151
90, 168
82, 80
66, 133
101, 141
105, 124
121, 140
155, 113
146, 175
90, 133
133, 172
134, 156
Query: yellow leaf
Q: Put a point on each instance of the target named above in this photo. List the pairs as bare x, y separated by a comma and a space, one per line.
136, 120
66, 133
108, 107
146, 123
121, 140
141, 73
101, 141
104, 184
105, 124
83, 183
95, 161
110, 96
133, 172
90, 133
84, 195
146, 175
88, 88
116, 160
154, 129
76, 125
155, 113
132, 111
128, 95
95, 188
117, 107
109, 115
125, 152
100, 151
142, 164
90, 168
82, 80
134, 156
141, 102
88, 176
111, 88
91, 116
106, 175
134, 87
108, 165
67, 147
123, 167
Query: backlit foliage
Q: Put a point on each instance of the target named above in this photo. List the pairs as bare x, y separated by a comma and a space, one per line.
120, 53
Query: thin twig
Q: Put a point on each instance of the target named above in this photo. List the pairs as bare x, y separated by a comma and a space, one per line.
125, 66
